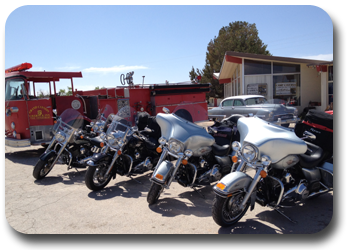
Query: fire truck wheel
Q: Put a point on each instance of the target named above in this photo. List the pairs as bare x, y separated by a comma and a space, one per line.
42, 168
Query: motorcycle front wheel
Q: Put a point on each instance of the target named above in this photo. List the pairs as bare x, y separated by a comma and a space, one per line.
94, 177
42, 168
154, 193
226, 212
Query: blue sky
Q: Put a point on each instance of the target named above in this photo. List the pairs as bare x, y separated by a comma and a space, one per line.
158, 42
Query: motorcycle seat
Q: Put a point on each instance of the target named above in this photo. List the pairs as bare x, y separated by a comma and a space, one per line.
220, 150
312, 157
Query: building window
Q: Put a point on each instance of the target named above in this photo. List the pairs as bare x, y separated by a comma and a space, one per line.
330, 93
256, 67
279, 68
287, 88
330, 73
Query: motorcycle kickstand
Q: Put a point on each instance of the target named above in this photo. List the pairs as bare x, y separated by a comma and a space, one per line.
198, 192
285, 216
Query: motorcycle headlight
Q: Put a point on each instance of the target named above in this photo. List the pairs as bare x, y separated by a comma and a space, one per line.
112, 140
236, 146
98, 126
60, 137
249, 152
175, 146
188, 153
162, 141
103, 136
116, 138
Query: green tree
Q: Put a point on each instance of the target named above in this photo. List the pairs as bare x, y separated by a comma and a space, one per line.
69, 92
62, 92
237, 36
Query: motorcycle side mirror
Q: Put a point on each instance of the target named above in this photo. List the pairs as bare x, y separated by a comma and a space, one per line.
309, 135
165, 110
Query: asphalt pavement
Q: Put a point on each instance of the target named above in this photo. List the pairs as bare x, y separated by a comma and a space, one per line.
62, 204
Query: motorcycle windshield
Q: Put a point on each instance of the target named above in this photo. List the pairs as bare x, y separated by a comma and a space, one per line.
120, 127
275, 110
269, 139
69, 118
104, 113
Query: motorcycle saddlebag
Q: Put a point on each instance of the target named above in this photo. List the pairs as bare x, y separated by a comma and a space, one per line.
320, 118
323, 131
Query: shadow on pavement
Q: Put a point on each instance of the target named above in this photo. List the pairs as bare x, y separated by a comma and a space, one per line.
310, 217
199, 204
131, 188
68, 178
28, 157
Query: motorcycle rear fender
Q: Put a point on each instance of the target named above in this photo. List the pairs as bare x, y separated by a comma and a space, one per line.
233, 182
163, 172
46, 156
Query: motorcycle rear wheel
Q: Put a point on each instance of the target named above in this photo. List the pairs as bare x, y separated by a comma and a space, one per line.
42, 168
154, 193
94, 177
225, 210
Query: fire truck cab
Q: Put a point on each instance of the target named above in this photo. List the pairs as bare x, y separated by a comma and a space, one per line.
29, 118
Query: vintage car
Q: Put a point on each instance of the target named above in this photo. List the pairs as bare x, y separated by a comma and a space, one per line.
249, 105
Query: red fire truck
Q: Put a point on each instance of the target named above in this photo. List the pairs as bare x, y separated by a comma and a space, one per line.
29, 118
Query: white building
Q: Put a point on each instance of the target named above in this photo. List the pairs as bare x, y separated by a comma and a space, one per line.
300, 82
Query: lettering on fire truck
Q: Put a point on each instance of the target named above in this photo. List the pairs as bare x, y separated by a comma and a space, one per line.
39, 113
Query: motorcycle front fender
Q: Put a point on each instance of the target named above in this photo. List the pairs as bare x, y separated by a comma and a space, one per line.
48, 155
163, 172
233, 182
97, 158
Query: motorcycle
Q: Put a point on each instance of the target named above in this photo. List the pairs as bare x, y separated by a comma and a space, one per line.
288, 170
128, 150
198, 159
74, 142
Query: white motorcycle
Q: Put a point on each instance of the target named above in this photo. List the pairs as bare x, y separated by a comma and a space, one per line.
288, 170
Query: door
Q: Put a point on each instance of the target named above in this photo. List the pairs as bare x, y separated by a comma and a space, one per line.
16, 117
40, 116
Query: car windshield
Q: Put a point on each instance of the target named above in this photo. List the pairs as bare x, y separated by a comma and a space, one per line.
255, 101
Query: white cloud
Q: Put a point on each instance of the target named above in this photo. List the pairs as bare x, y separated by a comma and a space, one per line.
114, 69
322, 57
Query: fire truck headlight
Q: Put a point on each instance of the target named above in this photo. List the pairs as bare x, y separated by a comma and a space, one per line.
60, 137
13, 125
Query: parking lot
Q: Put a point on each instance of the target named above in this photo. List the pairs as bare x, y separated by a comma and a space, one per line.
62, 204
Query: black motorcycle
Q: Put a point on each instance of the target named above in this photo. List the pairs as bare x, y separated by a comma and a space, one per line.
130, 150
75, 140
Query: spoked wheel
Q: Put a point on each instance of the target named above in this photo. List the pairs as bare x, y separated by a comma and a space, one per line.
226, 212
94, 177
154, 193
42, 168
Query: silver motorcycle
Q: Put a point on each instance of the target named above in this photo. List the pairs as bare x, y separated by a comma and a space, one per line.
286, 170
189, 153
